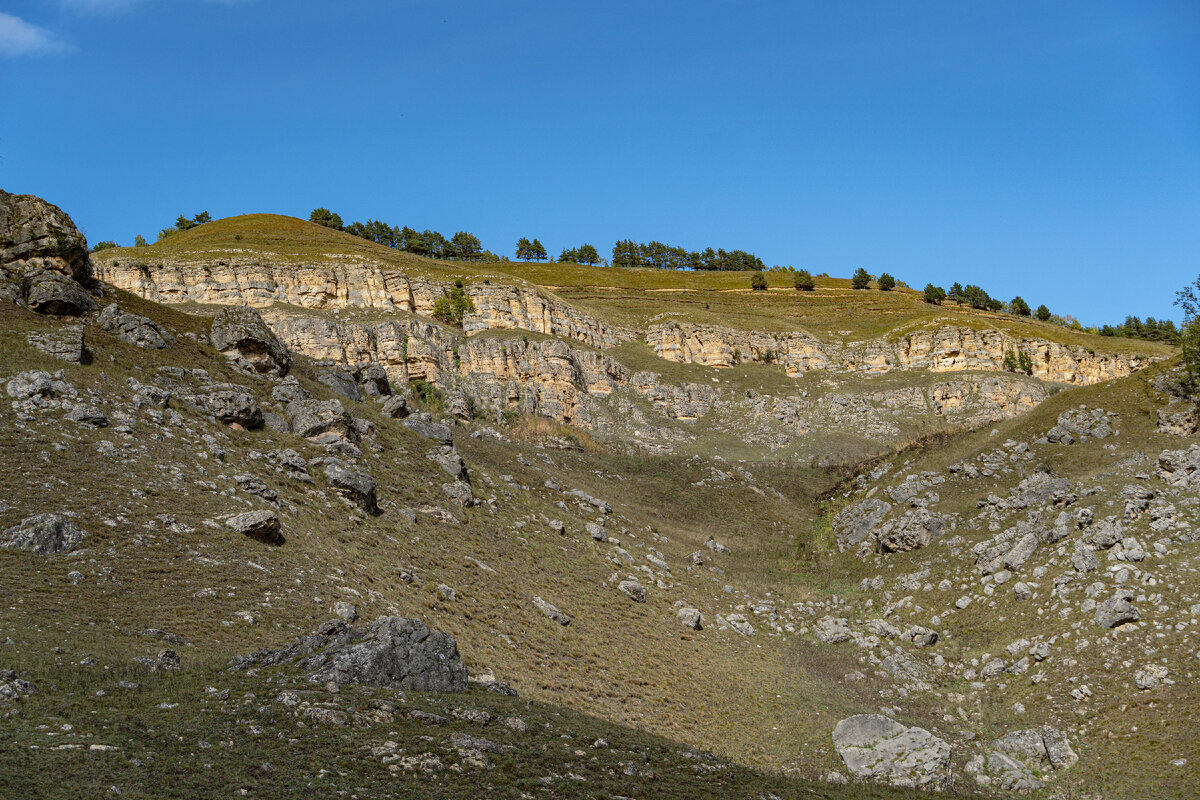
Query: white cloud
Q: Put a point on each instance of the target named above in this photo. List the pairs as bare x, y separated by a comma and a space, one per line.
19, 38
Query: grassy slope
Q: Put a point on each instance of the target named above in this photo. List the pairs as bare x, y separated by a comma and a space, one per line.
626, 296
622, 662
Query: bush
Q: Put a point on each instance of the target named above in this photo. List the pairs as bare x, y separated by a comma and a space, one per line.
758, 282
105, 245
1188, 298
453, 305
934, 294
1042, 313
1019, 307
804, 282
886, 282
140, 241
861, 279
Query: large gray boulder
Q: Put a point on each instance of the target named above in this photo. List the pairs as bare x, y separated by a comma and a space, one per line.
43, 257
313, 418
241, 335
262, 525
392, 652
1180, 467
1038, 748
352, 483
228, 403
44, 534
133, 329
880, 748
1117, 610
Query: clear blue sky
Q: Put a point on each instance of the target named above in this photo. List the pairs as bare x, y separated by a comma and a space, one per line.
1048, 149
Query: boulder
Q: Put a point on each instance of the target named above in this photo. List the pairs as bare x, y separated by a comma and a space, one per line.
634, 589
340, 382
288, 390
313, 418
43, 257
228, 403
351, 483
391, 652
1180, 467
261, 525
240, 334
1038, 748
551, 612
689, 618
65, 343
1117, 610
879, 748
133, 329
423, 425
449, 460
87, 414
395, 407
44, 534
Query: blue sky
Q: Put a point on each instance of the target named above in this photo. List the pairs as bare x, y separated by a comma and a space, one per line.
1045, 149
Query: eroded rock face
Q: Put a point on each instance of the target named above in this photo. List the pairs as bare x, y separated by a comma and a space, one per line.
242, 336
945, 349
392, 652
879, 748
44, 534
43, 257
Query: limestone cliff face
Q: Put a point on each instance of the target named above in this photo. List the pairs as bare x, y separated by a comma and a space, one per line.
350, 283
945, 349
547, 377
520, 308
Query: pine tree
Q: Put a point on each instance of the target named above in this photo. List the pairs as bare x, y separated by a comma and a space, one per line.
861, 279
886, 282
1019, 307
934, 294
1042, 313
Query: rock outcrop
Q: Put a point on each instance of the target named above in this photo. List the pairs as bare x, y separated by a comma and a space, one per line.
44, 534
880, 748
943, 349
242, 336
43, 257
392, 652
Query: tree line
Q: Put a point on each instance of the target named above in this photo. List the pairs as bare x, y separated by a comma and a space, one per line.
656, 255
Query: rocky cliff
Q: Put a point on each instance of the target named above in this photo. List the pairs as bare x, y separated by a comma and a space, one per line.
944, 349
350, 283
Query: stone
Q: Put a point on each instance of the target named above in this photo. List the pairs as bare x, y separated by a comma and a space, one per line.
87, 414
231, 404
1117, 610
391, 652
289, 390
350, 482
341, 382
261, 525
856, 522
133, 329
447, 457
65, 343
423, 426
597, 532
551, 611
346, 611
240, 334
313, 418
45, 534
635, 590
1180, 467
1151, 677
1038, 748
921, 636
879, 748
689, 618
832, 630
395, 407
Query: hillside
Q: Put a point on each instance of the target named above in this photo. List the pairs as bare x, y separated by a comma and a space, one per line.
691, 540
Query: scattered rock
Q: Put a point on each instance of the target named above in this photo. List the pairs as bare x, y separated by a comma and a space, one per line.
689, 618
634, 589
551, 611
133, 329
240, 334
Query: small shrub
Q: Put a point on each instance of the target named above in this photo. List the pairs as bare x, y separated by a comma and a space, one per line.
107, 244
804, 282
452, 306
886, 282
758, 282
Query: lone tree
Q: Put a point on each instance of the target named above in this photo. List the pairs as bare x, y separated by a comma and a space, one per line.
758, 282
861, 279
453, 305
139, 241
886, 282
323, 216
1042, 313
538, 250
1019, 307
934, 294
804, 282
1188, 298
524, 249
